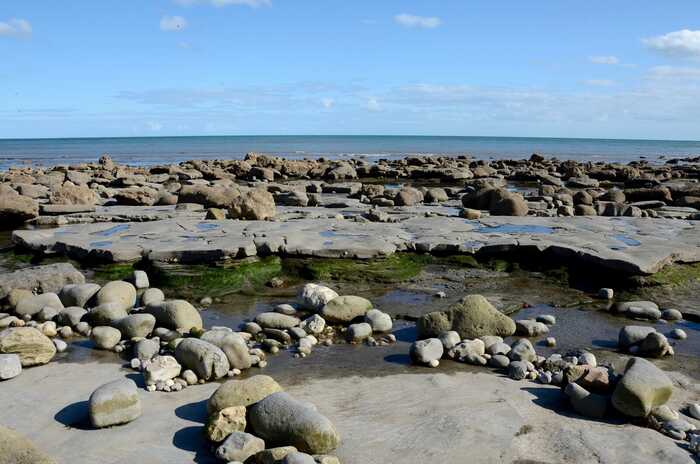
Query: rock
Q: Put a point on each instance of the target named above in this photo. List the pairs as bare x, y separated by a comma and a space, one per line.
408, 196
145, 350
586, 403
694, 410
34, 304
138, 325
671, 315
239, 446
380, 321
499, 361
517, 370
105, 338
46, 314
175, 315
679, 334
276, 320
223, 423
546, 319
242, 392
296, 457
639, 309
472, 317
232, 344
283, 420
152, 296
189, 377
16, 208
209, 197
530, 328
633, 334
274, 455
46, 278
15, 295
469, 351
450, 339
106, 314
256, 204
522, 350
205, 359
69, 194
121, 293
425, 351
642, 387
114, 403
314, 297
606, 293
344, 309
313, 325
16, 449
10, 366
359, 332
664, 413
140, 279
498, 348
655, 345
60, 345
136, 196
70, 316
436, 195
161, 369
551, 342
32, 346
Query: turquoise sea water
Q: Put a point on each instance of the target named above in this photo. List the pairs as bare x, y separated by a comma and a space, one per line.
160, 150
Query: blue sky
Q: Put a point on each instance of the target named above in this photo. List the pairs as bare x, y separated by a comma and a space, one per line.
78, 68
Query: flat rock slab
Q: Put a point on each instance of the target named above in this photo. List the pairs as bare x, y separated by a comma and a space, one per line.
406, 418
46, 278
628, 245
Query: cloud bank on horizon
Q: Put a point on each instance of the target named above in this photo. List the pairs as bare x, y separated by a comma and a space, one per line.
199, 67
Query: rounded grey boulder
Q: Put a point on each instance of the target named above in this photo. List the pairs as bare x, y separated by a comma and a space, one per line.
175, 315
78, 294
114, 403
136, 325
105, 338
205, 359
121, 293
282, 421
34, 304
233, 346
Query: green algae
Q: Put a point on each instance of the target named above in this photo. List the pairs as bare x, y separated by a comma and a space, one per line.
395, 268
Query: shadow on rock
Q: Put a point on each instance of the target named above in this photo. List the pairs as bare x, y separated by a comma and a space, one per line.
605, 344
193, 439
195, 412
555, 400
138, 379
75, 416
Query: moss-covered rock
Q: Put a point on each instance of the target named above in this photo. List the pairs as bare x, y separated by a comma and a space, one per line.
472, 317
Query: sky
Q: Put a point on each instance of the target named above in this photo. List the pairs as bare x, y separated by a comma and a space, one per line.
547, 68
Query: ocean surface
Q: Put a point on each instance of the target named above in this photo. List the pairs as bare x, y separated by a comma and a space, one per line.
160, 150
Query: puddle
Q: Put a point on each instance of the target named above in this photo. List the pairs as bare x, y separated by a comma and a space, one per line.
629, 241
514, 229
112, 230
328, 233
205, 226
102, 244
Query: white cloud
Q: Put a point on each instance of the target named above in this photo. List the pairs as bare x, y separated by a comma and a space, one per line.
173, 23
674, 72
425, 22
15, 28
684, 43
373, 105
220, 3
604, 59
599, 82
328, 103
154, 126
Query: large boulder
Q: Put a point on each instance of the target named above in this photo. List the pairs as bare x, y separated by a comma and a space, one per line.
78, 294
255, 204
161, 369
282, 420
239, 447
105, 338
32, 346
16, 208
114, 403
10, 366
136, 325
70, 194
643, 387
210, 197
343, 309
205, 359
223, 423
70, 316
175, 315
472, 317
136, 196
121, 293
32, 305
408, 196
16, 449
314, 297
242, 392
631, 335
273, 320
106, 314
499, 201
426, 351
232, 344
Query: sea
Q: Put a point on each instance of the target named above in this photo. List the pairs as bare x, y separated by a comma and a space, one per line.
148, 151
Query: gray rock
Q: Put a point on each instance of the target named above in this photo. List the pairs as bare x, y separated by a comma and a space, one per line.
314, 297
655, 345
60, 345
517, 370
276, 320
287, 309
46, 278
106, 314
10, 366
642, 388
70, 316
499, 361
469, 351
32, 346
313, 325
679, 334
296, 457
114, 403
78, 294
105, 338
633, 334
152, 296
694, 410
140, 279
161, 369
639, 309
498, 348
175, 315
346, 308
137, 325
32, 305
380, 321
121, 293
145, 350
425, 351
472, 317
239, 446
205, 359
47, 313
242, 392
530, 328
671, 315
450, 339
282, 420
522, 350
359, 332
233, 346
586, 403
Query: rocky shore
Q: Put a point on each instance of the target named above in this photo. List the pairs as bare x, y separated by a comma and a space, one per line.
385, 222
